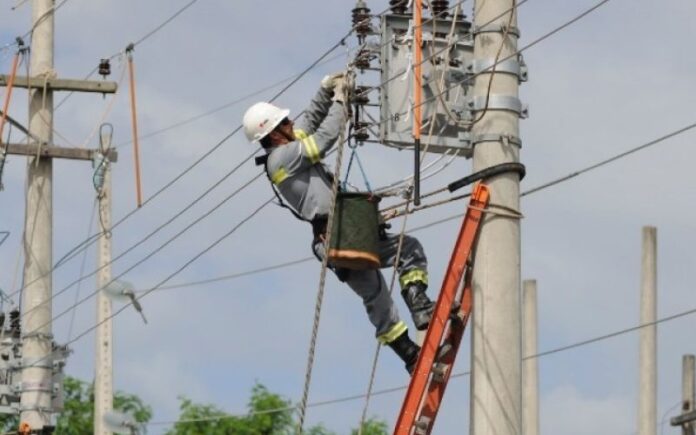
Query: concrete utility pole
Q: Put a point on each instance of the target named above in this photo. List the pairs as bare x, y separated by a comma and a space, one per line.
103, 380
37, 378
37, 383
530, 367
647, 381
496, 357
688, 416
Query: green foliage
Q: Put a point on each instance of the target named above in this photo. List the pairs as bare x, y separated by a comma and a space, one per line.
258, 422
196, 419
372, 426
78, 416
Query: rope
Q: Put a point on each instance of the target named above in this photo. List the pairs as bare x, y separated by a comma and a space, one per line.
8, 94
134, 122
322, 275
373, 372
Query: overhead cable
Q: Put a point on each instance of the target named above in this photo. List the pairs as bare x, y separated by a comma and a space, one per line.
461, 374
85, 244
165, 280
142, 260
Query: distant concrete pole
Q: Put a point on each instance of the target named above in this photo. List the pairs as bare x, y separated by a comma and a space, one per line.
496, 391
37, 379
530, 367
103, 380
688, 390
647, 393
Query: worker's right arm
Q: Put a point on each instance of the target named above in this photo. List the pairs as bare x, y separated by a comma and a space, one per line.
317, 111
287, 160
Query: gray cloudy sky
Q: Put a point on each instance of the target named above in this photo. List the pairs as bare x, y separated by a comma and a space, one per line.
616, 79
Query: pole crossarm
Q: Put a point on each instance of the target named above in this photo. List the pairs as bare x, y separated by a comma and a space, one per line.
55, 152
99, 86
685, 418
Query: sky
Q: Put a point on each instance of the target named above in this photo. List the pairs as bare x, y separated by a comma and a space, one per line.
618, 78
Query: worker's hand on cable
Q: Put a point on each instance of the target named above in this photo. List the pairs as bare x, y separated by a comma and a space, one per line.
340, 90
329, 81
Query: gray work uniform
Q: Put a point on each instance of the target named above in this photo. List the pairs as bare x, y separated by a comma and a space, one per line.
305, 184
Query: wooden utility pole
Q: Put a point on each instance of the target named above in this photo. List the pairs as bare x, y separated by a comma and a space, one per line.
103, 380
647, 376
496, 351
687, 419
530, 365
37, 339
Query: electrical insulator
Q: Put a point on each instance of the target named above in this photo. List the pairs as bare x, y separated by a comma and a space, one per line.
361, 97
2, 167
440, 8
99, 163
362, 60
361, 134
15, 326
398, 6
104, 67
361, 20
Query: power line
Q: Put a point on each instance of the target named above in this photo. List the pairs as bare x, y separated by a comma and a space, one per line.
85, 244
138, 42
223, 106
142, 260
169, 277
461, 374
164, 23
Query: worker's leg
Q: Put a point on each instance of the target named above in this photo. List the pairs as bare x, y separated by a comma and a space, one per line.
413, 275
383, 314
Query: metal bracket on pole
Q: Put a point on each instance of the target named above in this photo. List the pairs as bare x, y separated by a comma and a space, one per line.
512, 66
509, 139
41, 363
39, 335
496, 28
498, 102
34, 387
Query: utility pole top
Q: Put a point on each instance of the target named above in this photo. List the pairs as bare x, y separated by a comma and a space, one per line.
52, 84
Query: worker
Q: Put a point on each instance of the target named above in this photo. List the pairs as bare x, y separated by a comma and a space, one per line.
293, 163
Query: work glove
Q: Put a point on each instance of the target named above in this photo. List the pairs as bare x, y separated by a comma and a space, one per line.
340, 90
329, 81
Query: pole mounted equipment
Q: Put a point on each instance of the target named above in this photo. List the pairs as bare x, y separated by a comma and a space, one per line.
361, 20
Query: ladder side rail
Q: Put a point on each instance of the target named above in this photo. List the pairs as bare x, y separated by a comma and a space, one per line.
450, 285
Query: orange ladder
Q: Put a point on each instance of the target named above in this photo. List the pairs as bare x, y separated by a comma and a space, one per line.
449, 320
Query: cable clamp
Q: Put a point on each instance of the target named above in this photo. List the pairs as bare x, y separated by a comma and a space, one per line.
507, 139
41, 363
498, 102
43, 409
39, 335
496, 28
37, 387
513, 66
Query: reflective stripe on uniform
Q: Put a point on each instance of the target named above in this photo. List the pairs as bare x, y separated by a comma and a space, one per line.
393, 333
279, 176
413, 276
310, 145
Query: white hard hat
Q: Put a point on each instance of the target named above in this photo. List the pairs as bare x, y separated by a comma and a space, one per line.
260, 119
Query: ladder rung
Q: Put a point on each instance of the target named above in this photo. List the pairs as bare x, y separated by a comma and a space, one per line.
422, 425
440, 371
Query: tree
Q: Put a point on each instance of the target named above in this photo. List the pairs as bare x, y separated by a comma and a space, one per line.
372, 426
269, 414
77, 417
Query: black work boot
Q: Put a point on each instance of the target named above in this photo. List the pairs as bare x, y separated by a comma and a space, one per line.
419, 304
407, 350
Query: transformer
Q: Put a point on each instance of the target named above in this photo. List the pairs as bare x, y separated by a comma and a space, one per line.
444, 78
